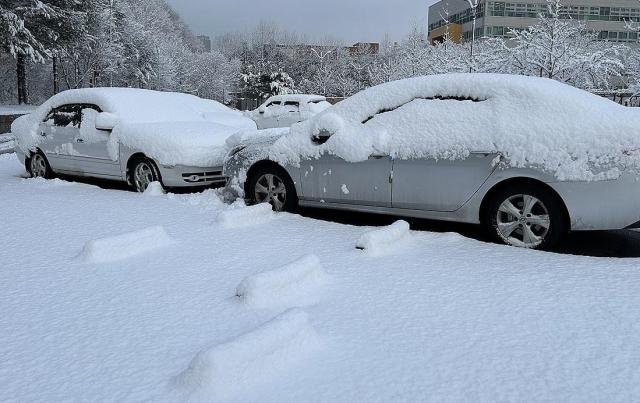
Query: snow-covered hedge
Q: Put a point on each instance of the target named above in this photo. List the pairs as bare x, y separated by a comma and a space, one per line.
531, 121
170, 127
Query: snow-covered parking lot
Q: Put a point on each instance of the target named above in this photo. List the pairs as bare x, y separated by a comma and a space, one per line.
85, 316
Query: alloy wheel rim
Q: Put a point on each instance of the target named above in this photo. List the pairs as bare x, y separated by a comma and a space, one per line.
38, 166
523, 220
271, 189
143, 176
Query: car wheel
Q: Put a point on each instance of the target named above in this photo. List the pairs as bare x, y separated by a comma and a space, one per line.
143, 173
38, 166
273, 185
526, 216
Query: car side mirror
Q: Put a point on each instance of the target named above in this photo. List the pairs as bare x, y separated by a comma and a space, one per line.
261, 110
321, 137
106, 121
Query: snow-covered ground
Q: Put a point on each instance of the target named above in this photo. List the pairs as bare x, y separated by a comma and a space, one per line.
107, 295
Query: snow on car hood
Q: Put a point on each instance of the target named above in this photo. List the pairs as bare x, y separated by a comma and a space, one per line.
534, 122
172, 128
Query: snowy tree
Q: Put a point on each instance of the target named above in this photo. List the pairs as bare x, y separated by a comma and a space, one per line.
564, 50
29, 30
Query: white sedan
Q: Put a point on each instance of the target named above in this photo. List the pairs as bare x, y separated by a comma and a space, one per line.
131, 135
286, 110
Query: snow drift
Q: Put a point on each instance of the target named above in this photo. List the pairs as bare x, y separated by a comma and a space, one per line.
125, 246
246, 216
154, 189
383, 238
173, 128
294, 284
251, 358
534, 122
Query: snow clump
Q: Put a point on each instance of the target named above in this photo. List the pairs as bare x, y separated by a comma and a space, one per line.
237, 365
380, 239
125, 246
295, 284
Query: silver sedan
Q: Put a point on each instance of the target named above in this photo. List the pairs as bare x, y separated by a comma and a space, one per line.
520, 206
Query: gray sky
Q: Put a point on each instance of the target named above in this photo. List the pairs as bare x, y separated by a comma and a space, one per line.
351, 20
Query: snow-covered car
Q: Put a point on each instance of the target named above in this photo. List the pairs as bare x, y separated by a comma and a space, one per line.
125, 134
528, 158
286, 110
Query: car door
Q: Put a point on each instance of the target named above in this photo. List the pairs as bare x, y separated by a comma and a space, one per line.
91, 145
269, 115
330, 179
58, 132
440, 184
289, 114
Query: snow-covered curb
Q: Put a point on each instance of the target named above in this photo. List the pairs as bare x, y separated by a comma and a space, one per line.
249, 359
381, 239
295, 284
125, 245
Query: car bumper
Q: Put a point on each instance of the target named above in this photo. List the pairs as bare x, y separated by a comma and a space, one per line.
602, 205
186, 176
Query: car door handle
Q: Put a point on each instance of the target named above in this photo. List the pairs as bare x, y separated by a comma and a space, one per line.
43, 134
79, 140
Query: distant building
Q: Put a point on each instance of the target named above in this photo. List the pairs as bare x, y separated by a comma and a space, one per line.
206, 42
495, 18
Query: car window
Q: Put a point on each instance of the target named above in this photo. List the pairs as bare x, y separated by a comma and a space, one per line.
68, 115
292, 103
435, 98
275, 103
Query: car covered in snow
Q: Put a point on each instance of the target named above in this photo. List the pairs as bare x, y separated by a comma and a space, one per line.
286, 110
528, 158
125, 134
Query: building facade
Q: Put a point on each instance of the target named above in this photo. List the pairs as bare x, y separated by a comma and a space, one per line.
454, 18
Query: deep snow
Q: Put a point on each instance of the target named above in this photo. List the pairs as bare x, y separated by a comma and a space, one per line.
436, 318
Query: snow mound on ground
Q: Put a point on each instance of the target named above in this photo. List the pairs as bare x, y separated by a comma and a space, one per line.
534, 122
246, 216
251, 358
173, 128
125, 245
154, 189
294, 284
381, 239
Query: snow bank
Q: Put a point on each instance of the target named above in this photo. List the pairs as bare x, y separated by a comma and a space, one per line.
251, 358
125, 246
246, 216
380, 239
295, 284
154, 189
534, 122
173, 128
7, 143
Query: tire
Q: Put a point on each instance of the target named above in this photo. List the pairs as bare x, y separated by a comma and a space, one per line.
526, 216
143, 172
272, 184
38, 166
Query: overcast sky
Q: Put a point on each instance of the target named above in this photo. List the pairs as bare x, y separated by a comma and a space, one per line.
351, 20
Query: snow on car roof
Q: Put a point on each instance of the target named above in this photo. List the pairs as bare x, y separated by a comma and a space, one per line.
302, 98
534, 122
